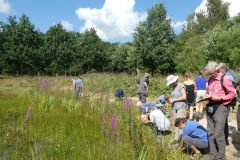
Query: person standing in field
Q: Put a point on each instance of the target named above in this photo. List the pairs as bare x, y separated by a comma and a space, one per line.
222, 67
201, 84
178, 102
143, 87
78, 84
190, 90
220, 96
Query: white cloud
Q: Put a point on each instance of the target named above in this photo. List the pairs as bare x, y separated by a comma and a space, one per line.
5, 7
67, 25
116, 19
179, 25
234, 7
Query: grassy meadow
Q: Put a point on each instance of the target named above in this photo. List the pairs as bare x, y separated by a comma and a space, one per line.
95, 127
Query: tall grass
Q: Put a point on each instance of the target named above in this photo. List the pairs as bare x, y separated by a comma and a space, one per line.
96, 127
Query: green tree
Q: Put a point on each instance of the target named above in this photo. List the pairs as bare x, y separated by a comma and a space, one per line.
91, 52
58, 50
199, 39
223, 44
190, 54
154, 41
120, 58
21, 46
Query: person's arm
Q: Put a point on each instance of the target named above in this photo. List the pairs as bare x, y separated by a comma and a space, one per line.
195, 87
138, 81
145, 83
182, 97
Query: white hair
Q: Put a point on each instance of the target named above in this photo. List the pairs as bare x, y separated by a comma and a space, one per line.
222, 66
211, 66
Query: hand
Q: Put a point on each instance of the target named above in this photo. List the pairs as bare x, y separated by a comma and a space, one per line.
171, 101
216, 98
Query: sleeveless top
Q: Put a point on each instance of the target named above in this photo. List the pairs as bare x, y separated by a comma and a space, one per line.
190, 93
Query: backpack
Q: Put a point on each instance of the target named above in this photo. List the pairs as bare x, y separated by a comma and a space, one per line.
234, 101
236, 78
119, 93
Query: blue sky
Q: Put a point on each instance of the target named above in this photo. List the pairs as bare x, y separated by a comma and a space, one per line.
114, 20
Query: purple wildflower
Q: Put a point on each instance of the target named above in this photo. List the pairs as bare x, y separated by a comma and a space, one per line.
27, 117
114, 124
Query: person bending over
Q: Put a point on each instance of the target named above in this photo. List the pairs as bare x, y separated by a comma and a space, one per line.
194, 136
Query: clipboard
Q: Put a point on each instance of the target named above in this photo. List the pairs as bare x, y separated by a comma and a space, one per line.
204, 99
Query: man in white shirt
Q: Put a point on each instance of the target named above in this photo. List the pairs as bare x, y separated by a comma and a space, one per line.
157, 117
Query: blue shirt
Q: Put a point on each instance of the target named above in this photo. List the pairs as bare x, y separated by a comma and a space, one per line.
148, 105
201, 83
195, 130
162, 99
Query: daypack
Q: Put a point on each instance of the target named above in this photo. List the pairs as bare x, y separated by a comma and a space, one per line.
234, 101
236, 78
119, 93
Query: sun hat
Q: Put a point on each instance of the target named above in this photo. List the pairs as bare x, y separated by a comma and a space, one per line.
171, 79
146, 75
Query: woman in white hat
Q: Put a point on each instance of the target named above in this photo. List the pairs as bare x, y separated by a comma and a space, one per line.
178, 101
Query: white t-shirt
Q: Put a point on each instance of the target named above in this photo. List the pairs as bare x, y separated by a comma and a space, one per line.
161, 121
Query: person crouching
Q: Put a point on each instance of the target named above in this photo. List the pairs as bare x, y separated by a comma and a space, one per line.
194, 136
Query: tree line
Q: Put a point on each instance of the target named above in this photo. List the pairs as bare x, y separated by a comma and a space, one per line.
155, 47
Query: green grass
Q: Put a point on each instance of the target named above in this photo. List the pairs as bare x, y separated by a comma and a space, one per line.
62, 128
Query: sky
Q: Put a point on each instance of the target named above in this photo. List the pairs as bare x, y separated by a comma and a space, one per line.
114, 20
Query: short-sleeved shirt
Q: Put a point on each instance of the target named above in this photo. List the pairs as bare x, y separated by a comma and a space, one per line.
195, 130
142, 88
162, 99
177, 93
201, 83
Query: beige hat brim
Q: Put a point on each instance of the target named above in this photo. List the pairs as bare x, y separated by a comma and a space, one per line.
173, 80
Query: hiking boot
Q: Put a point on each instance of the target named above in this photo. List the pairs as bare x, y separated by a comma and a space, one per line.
237, 154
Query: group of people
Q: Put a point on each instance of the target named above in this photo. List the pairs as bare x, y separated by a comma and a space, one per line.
189, 102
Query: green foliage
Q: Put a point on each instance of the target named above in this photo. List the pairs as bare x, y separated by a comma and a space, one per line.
20, 46
223, 44
190, 55
155, 47
90, 52
154, 41
200, 40
58, 50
